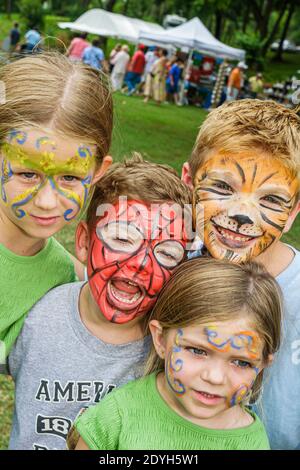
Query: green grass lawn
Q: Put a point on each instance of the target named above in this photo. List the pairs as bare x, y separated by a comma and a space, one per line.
163, 134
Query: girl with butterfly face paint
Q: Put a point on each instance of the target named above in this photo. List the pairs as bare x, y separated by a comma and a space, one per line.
53, 149
215, 327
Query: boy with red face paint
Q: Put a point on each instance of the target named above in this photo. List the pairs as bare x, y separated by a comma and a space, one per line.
245, 175
84, 339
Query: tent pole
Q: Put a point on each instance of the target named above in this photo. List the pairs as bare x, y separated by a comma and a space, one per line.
182, 98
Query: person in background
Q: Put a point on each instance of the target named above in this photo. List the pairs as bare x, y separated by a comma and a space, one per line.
235, 81
32, 37
120, 63
112, 55
151, 57
14, 37
173, 80
135, 69
256, 84
159, 72
77, 46
93, 55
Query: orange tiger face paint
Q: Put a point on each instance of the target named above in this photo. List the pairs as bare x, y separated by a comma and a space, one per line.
247, 199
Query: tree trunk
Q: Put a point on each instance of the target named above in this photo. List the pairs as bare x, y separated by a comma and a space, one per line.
246, 18
275, 29
278, 55
218, 26
110, 5
125, 7
85, 4
8, 8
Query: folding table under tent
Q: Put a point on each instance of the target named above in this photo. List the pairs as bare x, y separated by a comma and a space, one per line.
104, 23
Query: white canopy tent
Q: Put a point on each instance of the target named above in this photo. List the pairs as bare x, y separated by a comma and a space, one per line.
104, 23
194, 36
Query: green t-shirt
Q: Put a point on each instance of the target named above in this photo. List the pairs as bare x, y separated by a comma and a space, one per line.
135, 417
24, 280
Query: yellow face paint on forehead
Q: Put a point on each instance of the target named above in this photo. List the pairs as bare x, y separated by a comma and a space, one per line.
46, 162
43, 155
247, 199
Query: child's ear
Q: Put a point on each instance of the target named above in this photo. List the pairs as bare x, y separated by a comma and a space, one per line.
270, 360
292, 217
157, 337
82, 241
106, 162
186, 175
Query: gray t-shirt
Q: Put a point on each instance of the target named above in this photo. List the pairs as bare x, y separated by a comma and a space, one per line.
280, 403
59, 368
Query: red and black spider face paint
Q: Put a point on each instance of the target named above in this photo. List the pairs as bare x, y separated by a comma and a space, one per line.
133, 251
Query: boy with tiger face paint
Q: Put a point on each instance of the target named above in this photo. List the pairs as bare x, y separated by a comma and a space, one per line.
245, 175
247, 202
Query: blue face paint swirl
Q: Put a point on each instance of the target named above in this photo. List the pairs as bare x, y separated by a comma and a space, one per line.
19, 136
29, 195
44, 140
242, 391
69, 214
6, 174
175, 366
84, 151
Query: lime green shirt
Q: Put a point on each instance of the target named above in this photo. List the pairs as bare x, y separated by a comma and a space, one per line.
135, 417
24, 280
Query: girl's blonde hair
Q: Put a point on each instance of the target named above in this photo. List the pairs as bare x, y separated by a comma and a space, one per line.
49, 91
207, 290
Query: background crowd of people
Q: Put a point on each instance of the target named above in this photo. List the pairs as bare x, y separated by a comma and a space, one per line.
159, 74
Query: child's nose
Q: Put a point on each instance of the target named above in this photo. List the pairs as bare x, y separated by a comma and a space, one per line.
213, 372
46, 197
141, 262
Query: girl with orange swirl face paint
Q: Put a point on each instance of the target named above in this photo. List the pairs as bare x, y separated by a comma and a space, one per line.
215, 328
247, 200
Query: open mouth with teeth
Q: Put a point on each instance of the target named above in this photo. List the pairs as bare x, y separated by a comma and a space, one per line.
233, 239
124, 295
208, 398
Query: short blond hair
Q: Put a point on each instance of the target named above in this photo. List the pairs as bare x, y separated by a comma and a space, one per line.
207, 290
49, 91
136, 177
247, 124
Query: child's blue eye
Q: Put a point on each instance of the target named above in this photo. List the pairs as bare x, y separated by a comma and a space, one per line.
69, 178
197, 351
242, 364
28, 175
